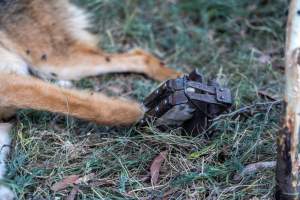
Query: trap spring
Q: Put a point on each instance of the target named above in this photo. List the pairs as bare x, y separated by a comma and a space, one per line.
206, 100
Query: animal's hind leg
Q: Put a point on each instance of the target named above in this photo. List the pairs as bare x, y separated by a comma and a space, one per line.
82, 62
27, 92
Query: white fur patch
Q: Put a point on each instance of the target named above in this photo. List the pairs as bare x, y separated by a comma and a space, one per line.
4, 146
65, 84
77, 23
12, 63
5, 193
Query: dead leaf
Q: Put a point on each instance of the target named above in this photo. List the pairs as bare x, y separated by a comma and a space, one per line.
156, 165
73, 193
64, 183
264, 59
85, 178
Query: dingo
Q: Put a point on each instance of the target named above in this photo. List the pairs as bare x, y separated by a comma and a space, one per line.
50, 39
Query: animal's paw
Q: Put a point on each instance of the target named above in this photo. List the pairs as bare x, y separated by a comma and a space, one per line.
177, 115
6, 193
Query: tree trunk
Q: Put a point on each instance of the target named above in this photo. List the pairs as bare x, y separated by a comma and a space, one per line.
287, 176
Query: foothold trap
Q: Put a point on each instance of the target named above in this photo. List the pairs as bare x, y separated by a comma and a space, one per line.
204, 102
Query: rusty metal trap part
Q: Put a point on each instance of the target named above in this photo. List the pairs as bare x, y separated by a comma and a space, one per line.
207, 100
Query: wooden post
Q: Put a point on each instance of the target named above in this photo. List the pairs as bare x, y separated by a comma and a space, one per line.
287, 170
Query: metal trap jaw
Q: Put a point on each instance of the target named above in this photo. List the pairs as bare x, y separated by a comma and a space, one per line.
206, 100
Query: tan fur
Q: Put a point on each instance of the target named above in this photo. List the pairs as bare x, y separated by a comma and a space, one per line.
36, 94
50, 37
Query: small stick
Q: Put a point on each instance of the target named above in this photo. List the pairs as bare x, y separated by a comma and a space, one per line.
254, 167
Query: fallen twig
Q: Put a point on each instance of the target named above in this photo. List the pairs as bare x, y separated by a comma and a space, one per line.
266, 95
246, 108
254, 167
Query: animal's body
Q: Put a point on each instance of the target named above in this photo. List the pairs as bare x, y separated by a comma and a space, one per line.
50, 39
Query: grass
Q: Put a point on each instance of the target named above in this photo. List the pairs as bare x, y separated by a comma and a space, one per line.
240, 42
